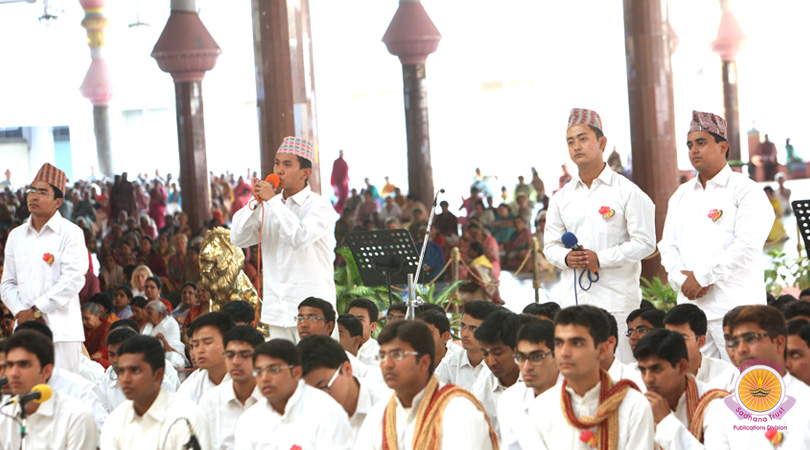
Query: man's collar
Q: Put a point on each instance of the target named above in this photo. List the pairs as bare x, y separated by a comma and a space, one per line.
54, 223
721, 179
299, 197
605, 176
156, 411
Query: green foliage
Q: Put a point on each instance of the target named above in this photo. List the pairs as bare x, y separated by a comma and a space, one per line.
349, 286
785, 271
660, 294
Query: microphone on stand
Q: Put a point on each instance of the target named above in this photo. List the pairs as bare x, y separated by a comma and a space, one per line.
3, 381
39, 394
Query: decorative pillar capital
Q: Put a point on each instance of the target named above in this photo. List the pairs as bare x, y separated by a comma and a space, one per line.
411, 36
185, 48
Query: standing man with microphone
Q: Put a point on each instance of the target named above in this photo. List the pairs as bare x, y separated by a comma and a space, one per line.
297, 238
614, 221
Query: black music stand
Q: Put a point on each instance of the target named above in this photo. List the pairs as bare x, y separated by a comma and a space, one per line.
384, 257
801, 208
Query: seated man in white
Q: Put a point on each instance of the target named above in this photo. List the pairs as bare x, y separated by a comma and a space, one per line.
291, 415
422, 413
534, 356
566, 416
439, 326
59, 422
325, 366
159, 324
205, 334
368, 313
463, 368
615, 368
225, 403
151, 417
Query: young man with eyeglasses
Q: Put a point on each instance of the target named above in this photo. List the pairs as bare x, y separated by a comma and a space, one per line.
641, 321
366, 311
225, 403
759, 333
463, 368
326, 367
690, 322
292, 414
422, 412
206, 338
497, 337
615, 368
45, 265
534, 356
397, 311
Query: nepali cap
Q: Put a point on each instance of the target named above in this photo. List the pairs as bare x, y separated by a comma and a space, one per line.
52, 176
584, 116
705, 121
298, 147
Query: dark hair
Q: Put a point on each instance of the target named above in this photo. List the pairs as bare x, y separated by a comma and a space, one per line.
804, 292
126, 290
414, 332
718, 139
155, 280
437, 319
239, 311
477, 247
614, 327
399, 306
525, 319
645, 304
662, 343
351, 323
151, 349
147, 238
120, 335
125, 323
652, 315
429, 307
218, 320
797, 308
138, 301
36, 326
500, 326
304, 163
687, 313
479, 309
32, 342
728, 319
768, 318
57, 193
280, 349
368, 305
320, 352
243, 333
103, 300
769, 190
194, 286
323, 305
587, 316
801, 328
596, 131
541, 332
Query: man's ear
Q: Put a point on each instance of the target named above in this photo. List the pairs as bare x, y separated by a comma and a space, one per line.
372, 326
358, 341
59, 202
297, 372
446, 337
603, 143
330, 327
682, 367
307, 173
701, 341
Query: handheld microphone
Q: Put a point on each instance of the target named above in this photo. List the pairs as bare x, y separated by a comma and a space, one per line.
272, 179
3, 381
569, 240
39, 394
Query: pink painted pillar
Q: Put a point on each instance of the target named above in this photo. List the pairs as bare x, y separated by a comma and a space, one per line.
412, 37
96, 86
730, 39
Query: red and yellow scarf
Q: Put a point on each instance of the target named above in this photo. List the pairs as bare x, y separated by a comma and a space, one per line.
696, 407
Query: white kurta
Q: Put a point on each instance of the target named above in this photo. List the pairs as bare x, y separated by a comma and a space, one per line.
368, 352
312, 420
456, 369
463, 426
367, 398
197, 384
620, 242
726, 253
126, 430
224, 410
619, 371
77, 387
488, 389
517, 432
171, 331
61, 423
298, 248
112, 395
53, 288
715, 372
636, 425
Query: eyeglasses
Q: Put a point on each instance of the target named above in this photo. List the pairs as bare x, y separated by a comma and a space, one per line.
396, 355
535, 358
300, 318
328, 387
748, 338
38, 192
464, 326
686, 338
274, 370
641, 330
392, 317
244, 354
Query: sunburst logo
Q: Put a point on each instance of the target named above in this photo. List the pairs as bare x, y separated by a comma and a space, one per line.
760, 391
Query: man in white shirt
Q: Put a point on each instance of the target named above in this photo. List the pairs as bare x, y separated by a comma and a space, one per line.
463, 368
452, 417
325, 366
687, 413
225, 403
716, 226
798, 350
688, 320
535, 357
291, 415
613, 220
497, 338
565, 415
151, 417
206, 334
368, 313
45, 264
641, 321
615, 368
298, 238
315, 316
60, 422
439, 326
350, 333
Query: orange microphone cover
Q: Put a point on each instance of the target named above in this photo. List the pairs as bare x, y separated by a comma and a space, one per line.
273, 179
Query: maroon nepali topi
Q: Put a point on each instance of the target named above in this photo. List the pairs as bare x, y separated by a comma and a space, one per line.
52, 176
584, 116
705, 121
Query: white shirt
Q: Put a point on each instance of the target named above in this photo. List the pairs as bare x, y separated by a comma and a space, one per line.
715, 372
463, 426
112, 395
368, 352
619, 371
298, 248
224, 410
53, 288
367, 398
636, 425
126, 430
513, 410
457, 369
197, 384
488, 389
78, 388
90, 370
620, 242
171, 331
312, 420
62, 423
368, 373
726, 253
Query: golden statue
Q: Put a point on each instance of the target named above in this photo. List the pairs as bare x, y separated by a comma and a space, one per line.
221, 270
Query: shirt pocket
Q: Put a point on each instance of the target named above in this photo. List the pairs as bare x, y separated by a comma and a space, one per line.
609, 224
719, 219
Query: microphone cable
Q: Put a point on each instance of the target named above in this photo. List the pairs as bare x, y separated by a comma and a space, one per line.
192, 444
593, 277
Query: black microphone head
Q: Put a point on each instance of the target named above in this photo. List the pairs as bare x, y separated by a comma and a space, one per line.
3, 381
441, 191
